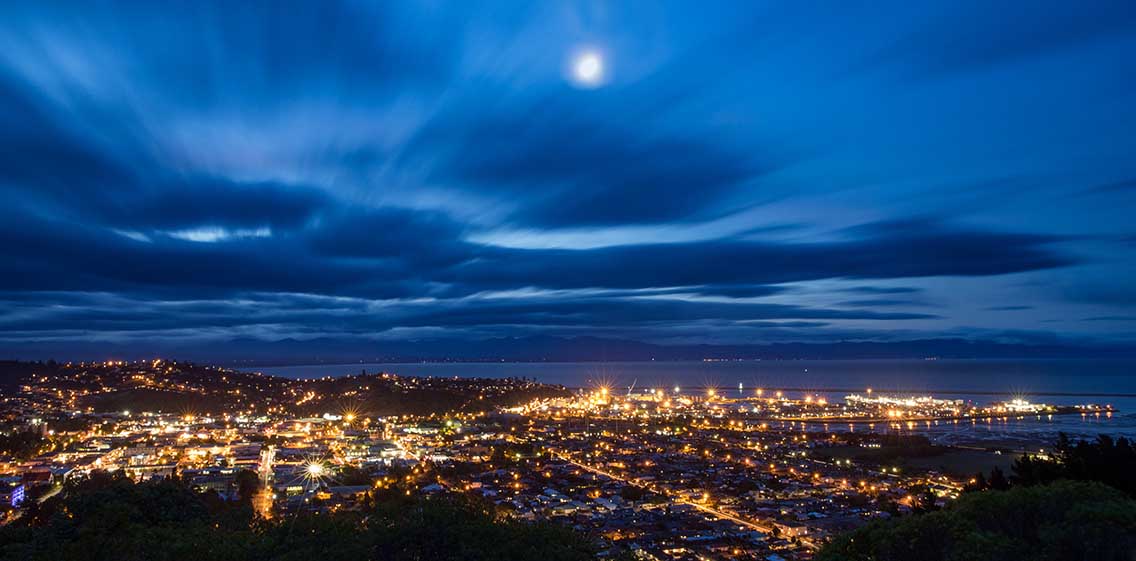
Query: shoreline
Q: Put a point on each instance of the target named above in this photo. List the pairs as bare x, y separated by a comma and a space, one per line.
247, 365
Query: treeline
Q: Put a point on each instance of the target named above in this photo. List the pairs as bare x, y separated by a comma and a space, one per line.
1106, 460
1067, 520
1074, 504
111, 518
23, 443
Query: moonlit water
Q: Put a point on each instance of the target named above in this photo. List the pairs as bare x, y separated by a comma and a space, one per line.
1062, 382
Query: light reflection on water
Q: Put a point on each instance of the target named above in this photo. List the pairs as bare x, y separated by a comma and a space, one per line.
1026, 432
1059, 382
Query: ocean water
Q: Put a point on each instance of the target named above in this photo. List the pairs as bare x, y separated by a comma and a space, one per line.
1062, 382
1077, 379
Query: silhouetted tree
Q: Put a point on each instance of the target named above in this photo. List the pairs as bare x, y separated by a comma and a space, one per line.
1063, 521
248, 482
1107, 460
977, 483
108, 517
998, 480
922, 499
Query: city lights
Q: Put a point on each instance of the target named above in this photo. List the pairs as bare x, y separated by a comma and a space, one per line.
554, 452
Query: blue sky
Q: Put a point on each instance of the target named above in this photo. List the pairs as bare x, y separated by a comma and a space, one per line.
733, 172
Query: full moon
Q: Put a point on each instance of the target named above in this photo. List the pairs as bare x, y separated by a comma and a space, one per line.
588, 69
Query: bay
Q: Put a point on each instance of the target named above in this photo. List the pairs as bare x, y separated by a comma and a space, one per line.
1055, 381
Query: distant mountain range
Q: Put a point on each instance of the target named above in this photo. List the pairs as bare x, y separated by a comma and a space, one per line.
541, 349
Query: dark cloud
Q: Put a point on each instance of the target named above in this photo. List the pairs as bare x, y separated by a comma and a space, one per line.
880, 302
103, 313
390, 253
583, 311
48, 255
384, 252
892, 250
740, 291
41, 161
1109, 292
214, 170
570, 163
1122, 186
883, 289
192, 203
960, 42
426, 239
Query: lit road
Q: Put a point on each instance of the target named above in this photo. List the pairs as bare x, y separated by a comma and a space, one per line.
55, 489
711, 511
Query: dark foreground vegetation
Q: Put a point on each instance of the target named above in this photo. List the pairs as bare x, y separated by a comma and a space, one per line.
1063, 521
1107, 460
1078, 504
111, 518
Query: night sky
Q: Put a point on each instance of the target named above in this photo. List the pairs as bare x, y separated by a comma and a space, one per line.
690, 172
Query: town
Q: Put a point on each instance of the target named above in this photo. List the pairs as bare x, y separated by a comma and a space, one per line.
660, 473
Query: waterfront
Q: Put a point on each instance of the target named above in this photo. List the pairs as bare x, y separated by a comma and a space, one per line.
1061, 382
1059, 378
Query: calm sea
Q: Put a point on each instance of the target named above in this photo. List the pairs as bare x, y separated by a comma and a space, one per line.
1064, 382
1005, 378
